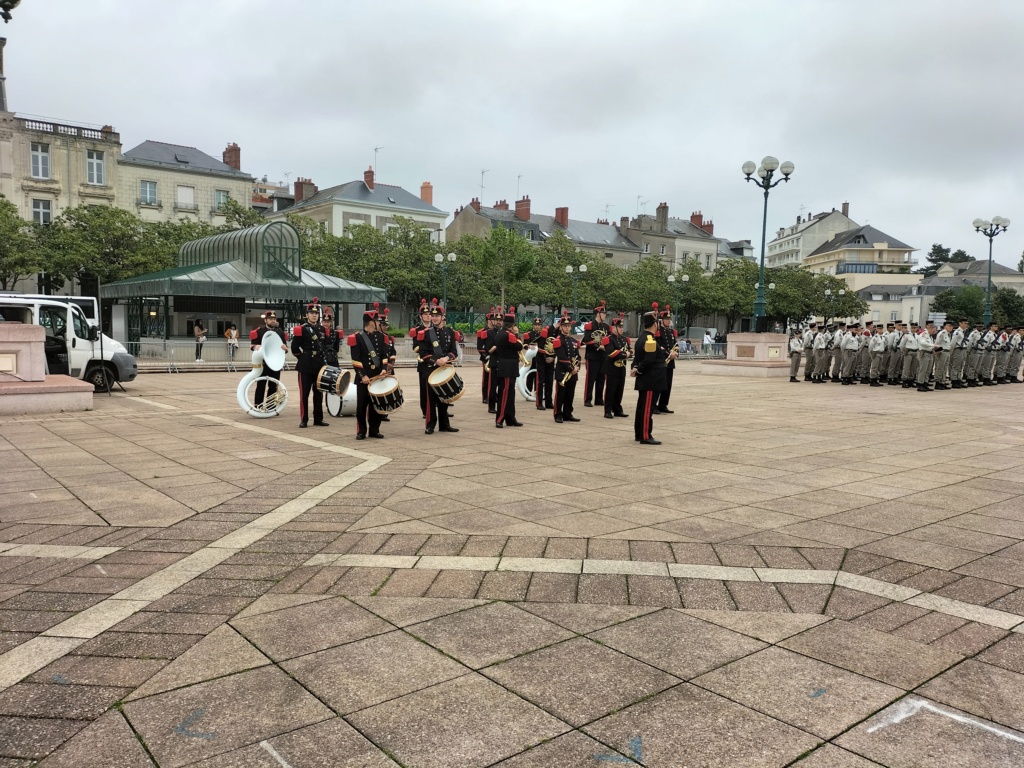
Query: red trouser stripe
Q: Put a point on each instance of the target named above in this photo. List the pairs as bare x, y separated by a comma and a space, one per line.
504, 397
484, 386
302, 400
427, 415
586, 390
647, 416
554, 397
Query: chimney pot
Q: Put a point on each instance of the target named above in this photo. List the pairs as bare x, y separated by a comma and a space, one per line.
475, 204
427, 192
523, 208
846, 209
368, 177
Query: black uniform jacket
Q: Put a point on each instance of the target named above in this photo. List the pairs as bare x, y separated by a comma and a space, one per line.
369, 353
308, 347
615, 348
649, 362
505, 354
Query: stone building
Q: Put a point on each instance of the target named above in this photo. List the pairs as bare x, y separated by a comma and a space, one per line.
794, 243
677, 241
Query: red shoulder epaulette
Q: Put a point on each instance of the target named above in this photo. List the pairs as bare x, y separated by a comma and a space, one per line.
526, 338
252, 334
459, 337
544, 333
340, 332
556, 343
351, 339
657, 334
482, 333
606, 341
588, 327
512, 338
296, 331
422, 335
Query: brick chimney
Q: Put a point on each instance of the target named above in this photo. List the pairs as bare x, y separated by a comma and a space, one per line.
233, 156
603, 221
562, 217
426, 192
523, 208
846, 209
368, 177
623, 223
661, 217
709, 227
501, 205
475, 204
304, 189
697, 219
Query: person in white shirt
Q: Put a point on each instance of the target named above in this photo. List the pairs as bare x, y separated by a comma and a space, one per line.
822, 355
974, 355
895, 354
925, 355
958, 354
851, 353
909, 346
796, 350
876, 350
1016, 355
808, 342
707, 342
837, 351
943, 347
988, 354
1002, 355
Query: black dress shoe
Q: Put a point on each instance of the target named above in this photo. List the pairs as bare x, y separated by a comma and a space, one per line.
571, 418
302, 425
428, 431
652, 441
377, 435
360, 436
499, 426
588, 404
321, 424
665, 410
609, 416
447, 429
540, 407
622, 415
515, 424
492, 410
385, 418
559, 419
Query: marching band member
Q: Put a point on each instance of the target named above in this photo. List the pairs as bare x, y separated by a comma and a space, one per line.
667, 338
505, 366
649, 371
567, 369
593, 332
368, 350
617, 353
422, 324
256, 342
537, 338
492, 379
437, 347
308, 348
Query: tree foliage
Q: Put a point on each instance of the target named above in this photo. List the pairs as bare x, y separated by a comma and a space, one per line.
966, 302
1008, 308
19, 257
940, 255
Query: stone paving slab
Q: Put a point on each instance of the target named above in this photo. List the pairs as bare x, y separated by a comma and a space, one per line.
203, 558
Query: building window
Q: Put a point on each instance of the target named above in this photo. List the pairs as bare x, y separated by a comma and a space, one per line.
686, 256
876, 297
892, 316
220, 199
608, 254
323, 225
662, 250
41, 212
147, 193
94, 167
529, 234
707, 261
40, 160
186, 198
647, 247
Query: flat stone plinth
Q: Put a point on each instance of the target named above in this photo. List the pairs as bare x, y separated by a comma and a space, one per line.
55, 394
763, 370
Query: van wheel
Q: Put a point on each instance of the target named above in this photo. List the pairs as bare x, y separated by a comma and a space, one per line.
101, 378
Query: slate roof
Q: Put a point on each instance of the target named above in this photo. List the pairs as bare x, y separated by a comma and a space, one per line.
886, 290
686, 228
582, 232
381, 196
870, 235
972, 268
175, 156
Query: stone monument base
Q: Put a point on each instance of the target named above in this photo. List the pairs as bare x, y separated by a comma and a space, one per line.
55, 394
754, 355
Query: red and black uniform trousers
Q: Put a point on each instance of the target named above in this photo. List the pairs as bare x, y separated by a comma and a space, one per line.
485, 380
651, 379
432, 343
614, 373
667, 339
414, 335
368, 352
505, 368
307, 346
567, 353
263, 388
594, 386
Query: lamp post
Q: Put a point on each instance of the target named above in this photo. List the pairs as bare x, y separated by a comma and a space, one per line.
760, 291
990, 229
444, 262
683, 278
765, 174
832, 302
575, 274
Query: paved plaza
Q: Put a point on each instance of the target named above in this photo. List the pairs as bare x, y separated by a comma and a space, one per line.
819, 576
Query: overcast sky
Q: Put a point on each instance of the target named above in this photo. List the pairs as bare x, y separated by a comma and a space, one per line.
908, 110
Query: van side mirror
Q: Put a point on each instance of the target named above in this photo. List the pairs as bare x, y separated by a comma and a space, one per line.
94, 333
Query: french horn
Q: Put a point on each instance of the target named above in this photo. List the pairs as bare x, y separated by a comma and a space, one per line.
274, 401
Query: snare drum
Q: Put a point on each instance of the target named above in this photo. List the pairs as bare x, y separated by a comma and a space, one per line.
333, 380
446, 383
386, 395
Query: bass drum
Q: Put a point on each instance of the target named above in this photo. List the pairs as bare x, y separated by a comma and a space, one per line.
341, 406
446, 383
386, 395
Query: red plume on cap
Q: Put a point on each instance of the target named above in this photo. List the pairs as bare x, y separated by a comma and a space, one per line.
376, 305
511, 310
386, 310
654, 305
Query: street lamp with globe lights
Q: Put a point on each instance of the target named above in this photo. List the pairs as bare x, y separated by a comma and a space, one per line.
444, 262
832, 302
990, 229
765, 173
683, 278
575, 275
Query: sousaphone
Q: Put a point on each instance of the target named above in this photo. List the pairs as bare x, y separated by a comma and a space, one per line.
275, 393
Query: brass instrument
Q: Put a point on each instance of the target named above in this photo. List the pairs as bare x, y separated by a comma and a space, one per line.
576, 363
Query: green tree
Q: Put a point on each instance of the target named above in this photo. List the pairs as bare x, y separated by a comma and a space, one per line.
169, 236
240, 217
508, 256
845, 305
696, 294
733, 289
794, 297
965, 302
940, 255
1007, 307
19, 256
1020, 264
646, 282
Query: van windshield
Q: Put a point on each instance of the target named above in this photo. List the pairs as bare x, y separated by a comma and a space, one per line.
81, 324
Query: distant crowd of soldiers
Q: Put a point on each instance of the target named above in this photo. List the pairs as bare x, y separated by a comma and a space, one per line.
952, 358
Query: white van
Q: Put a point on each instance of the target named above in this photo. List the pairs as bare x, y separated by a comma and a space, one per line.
74, 345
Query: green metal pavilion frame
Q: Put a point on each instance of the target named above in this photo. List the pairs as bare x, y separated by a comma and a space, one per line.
259, 264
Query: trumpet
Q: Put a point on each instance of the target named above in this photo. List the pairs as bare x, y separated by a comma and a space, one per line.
572, 371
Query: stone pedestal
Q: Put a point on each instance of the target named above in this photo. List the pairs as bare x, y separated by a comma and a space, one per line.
25, 387
755, 355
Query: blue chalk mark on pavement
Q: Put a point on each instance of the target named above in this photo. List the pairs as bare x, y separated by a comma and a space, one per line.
636, 746
60, 680
818, 693
189, 721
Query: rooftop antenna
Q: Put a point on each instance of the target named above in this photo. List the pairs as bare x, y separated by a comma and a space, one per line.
482, 183
288, 179
640, 203
607, 207
519, 178
375, 151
